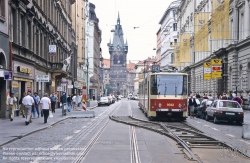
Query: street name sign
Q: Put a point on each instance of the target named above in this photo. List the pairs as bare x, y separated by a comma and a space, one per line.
42, 78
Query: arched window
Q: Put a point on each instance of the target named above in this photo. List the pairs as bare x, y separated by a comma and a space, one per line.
115, 59
121, 59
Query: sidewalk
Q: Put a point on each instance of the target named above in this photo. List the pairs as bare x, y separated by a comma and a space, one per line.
16, 129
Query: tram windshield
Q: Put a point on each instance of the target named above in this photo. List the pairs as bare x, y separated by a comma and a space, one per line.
168, 84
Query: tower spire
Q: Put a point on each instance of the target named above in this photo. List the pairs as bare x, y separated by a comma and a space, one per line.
118, 19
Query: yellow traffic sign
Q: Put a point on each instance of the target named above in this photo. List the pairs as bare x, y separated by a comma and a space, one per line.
216, 61
216, 74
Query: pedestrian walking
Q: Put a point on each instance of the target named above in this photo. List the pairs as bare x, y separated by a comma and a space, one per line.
192, 104
45, 107
53, 99
78, 100
33, 109
74, 102
249, 101
11, 105
69, 101
224, 97
27, 102
38, 102
22, 112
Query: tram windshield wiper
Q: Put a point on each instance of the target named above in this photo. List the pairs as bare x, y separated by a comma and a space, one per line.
165, 91
175, 89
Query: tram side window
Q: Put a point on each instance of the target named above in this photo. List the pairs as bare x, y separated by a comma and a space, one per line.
185, 84
153, 85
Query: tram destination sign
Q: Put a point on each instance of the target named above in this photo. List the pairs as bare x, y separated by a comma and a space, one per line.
42, 78
155, 68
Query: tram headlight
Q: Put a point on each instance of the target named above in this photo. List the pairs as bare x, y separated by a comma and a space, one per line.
160, 105
180, 106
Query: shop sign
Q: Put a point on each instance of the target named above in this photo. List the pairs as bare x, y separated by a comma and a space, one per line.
8, 75
52, 50
70, 86
42, 78
15, 84
22, 79
59, 88
216, 68
64, 82
207, 70
24, 70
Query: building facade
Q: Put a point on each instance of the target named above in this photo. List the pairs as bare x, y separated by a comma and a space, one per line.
168, 34
118, 50
158, 46
34, 25
93, 52
78, 16
233, 51
5, 65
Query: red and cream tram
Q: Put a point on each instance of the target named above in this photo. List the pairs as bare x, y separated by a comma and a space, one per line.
164, 95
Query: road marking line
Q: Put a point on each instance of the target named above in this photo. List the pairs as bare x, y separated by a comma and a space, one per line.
206, 126
230, 135
214, 129
77, 131
68, 137
244, 141
83, 126
56, 147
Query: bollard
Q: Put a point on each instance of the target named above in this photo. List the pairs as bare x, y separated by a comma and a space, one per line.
246, 131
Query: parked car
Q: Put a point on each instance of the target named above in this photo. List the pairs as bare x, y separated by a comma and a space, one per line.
113, 99
130, 96
104, 101
201, 110
225, 110
135, 97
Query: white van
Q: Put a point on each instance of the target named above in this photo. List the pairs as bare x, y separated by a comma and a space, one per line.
130, 96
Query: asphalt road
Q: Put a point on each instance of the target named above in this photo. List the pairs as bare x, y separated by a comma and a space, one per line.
100, 140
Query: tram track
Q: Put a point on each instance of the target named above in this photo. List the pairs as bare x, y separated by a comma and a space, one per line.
81, 156
187, 136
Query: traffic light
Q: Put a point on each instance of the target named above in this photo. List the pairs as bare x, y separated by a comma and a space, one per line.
136, 67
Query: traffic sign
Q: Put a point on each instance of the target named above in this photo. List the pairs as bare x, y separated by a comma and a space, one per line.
8, 75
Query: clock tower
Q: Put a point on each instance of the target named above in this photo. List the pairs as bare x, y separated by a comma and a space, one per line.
118, 60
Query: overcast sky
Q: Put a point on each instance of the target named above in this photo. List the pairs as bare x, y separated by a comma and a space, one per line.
144, 14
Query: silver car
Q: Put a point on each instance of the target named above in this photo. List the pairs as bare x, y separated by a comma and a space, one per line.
104, 101
225, 110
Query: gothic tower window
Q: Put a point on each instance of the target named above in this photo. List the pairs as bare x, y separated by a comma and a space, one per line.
121, 59
115, 59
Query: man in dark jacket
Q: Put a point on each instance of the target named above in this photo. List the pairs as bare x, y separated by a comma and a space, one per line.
192, 104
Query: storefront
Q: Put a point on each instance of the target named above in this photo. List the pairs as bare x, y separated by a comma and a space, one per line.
23, 78
41, 87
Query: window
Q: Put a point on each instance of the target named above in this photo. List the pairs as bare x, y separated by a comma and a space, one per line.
241, 31
232, 29
29, 35
175, 41
172, 58
175, 27
13, 26
2, 9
